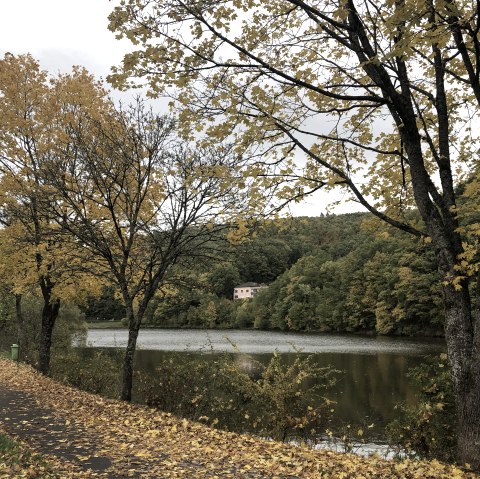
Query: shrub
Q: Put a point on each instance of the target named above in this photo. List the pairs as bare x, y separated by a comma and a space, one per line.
235, 392
70, 323
8, 328
92, 371
96, 373
428, 429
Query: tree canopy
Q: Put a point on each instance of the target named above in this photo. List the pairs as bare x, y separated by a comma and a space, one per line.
379, 98
93, 193
34, 109
140, 201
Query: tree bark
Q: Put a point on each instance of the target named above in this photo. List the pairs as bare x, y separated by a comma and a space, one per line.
127, 381
464, 358
49, 316
463, 352
21, 337
134, 322
468, 423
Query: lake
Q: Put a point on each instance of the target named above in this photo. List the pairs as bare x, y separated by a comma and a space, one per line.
373, 379
258, 342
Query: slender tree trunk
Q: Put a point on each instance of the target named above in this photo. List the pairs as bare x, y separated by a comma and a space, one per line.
21, 337
127, 381
49, 316
134, 322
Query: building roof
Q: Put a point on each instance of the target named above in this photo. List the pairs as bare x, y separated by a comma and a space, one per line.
249, 285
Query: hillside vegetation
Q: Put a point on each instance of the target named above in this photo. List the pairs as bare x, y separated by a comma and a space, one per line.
332, 273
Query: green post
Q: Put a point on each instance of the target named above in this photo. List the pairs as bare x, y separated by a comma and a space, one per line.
15, 348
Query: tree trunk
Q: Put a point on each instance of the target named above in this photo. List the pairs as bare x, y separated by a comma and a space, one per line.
468, 425
127, 381
464, 359
49, 316
134, 322
21, 337
460, 331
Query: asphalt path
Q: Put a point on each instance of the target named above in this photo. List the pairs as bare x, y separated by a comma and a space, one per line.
46, 432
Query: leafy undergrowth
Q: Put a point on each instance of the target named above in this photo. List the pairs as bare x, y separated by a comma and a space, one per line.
142, 442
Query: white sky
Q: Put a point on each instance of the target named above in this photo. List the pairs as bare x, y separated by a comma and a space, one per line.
63, 33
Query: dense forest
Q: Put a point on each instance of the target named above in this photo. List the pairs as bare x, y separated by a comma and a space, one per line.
330, 273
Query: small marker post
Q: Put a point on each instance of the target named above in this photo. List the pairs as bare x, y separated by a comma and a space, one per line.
15, 348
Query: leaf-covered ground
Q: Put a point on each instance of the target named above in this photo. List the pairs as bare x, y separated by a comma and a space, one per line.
81, 435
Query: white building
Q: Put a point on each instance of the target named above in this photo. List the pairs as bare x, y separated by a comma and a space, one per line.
247, 290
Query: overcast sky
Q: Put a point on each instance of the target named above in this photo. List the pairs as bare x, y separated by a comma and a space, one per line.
63, 33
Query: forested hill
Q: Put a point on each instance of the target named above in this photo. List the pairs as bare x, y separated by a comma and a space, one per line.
332, 273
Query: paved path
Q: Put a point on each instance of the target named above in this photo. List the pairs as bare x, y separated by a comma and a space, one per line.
46, 432
51, 432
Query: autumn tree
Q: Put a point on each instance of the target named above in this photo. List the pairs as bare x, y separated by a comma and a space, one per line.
141, 202
377, 98
33, 107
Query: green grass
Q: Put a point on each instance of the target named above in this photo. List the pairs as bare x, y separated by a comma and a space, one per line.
13, 454
6, 444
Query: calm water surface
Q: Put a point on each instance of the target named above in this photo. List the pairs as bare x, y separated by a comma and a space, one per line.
373, 379
259, 342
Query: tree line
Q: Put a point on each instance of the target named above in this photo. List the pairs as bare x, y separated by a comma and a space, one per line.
334, 273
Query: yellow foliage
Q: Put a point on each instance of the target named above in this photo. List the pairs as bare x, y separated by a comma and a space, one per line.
37, 111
